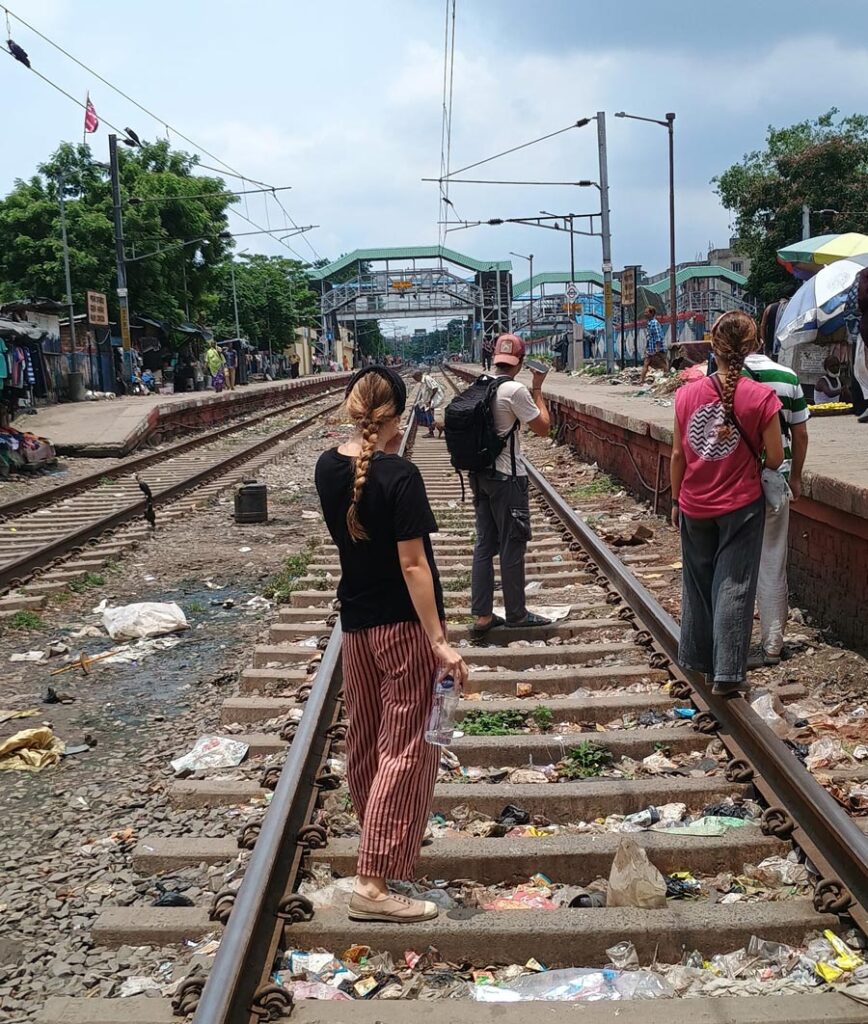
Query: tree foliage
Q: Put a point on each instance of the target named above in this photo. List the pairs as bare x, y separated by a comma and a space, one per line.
820, 163
31, 252
274, 297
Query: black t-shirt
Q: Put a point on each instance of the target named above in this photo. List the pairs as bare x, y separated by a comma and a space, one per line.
393, 507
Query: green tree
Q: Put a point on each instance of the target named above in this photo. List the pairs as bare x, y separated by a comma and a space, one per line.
274, 297
820, 163
31, 251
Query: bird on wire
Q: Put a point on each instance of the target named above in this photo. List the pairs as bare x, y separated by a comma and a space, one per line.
150, 514
18, 53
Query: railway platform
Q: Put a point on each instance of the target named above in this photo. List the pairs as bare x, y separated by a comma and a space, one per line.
109, 429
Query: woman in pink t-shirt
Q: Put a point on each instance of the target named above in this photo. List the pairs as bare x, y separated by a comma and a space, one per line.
722, 423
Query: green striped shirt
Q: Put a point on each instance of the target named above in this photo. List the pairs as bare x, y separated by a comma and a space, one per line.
786, 386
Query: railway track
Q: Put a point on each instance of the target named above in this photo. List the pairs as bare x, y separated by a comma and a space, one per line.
606, 672
40, 530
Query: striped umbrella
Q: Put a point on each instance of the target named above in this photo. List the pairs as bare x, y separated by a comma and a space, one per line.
820, 305
807, 256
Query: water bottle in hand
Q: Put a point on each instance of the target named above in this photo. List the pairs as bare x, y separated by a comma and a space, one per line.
441, 724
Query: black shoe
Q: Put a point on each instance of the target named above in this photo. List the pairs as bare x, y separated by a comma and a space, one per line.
478, 632
727, 689
863, 418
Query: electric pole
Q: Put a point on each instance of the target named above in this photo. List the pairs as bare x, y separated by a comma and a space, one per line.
123, 294
607, 242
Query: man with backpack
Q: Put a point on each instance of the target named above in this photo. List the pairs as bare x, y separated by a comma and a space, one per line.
482, 435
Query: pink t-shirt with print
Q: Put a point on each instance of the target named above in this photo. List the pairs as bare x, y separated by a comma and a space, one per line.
721, 474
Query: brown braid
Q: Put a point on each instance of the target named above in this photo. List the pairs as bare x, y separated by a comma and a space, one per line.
733, 338
369, 405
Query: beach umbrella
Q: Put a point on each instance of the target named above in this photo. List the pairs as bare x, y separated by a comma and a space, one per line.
819, 306
807, 256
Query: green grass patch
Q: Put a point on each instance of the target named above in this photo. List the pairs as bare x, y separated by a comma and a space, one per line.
87, 582
492, 723
27, 620
543, 718
601, 486
586, 761
460, 581
285, 582
195, 607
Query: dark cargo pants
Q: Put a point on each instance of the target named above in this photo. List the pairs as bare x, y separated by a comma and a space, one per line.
502, 528
721, 558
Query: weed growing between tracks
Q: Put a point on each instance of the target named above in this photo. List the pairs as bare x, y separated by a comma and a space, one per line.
281, 586
601, 486
87, 582
26, 620
505, 723
586, 761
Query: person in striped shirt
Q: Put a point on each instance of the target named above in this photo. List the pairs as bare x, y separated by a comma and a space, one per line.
772, 585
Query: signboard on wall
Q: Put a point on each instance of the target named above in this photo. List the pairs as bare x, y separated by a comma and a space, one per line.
97, 309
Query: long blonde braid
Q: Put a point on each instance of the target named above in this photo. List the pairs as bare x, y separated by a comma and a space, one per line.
733, 338
369, 405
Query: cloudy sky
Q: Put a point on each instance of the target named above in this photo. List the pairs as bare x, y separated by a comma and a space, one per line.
342, 100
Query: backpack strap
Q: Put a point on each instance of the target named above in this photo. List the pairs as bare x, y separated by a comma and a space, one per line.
492, 391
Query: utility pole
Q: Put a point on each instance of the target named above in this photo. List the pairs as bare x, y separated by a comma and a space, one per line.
607, 242
66, 269
806, 221
123, 294
234, 298
530, 260
673, 292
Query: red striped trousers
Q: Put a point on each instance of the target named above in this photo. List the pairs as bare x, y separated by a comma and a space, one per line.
388, 686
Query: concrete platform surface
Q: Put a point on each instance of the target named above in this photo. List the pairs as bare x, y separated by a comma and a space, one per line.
829, 1008
115, 428
836, 469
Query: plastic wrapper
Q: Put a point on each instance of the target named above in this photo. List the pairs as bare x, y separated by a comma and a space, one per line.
522, 898
730, 965
825, 753
775, 871
623, 956
576, 984
633, 879
770, 710
211, 752
150, 618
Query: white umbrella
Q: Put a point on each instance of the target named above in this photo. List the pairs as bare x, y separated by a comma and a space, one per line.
818, 306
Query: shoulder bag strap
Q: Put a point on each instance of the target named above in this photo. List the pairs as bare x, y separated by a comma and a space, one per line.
495, 384
742, 434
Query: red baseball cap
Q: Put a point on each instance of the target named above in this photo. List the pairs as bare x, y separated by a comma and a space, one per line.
509, 349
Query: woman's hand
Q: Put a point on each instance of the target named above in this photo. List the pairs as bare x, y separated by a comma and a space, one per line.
676, 516
450, 661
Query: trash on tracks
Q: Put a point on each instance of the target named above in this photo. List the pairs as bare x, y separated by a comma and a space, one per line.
145, 619
633, 879
30, 750
211, 752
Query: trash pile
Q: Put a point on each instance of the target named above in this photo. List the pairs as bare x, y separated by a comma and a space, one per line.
762, 967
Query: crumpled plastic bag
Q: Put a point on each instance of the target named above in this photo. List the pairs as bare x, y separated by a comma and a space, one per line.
770, 709
633, 879
825, 753
149, 618
774, 871
211, 752
30, 750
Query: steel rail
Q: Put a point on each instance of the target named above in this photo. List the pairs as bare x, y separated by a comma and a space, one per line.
32, 502
31, 562
238, 988
822, 829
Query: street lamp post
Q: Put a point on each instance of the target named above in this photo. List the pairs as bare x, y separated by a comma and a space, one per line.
123, 293
669, 124
529, 259
67, 275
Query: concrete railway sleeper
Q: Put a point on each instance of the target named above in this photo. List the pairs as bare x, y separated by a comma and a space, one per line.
604, 675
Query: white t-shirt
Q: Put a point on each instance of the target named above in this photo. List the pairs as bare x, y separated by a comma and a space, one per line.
512, 402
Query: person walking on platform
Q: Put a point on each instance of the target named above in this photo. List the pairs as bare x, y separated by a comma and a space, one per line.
377, 512
500, 494
772, 585
655, 351
722, 423
216, 363
487, 351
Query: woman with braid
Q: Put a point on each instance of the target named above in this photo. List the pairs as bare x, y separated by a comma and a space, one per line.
377, 512
722, 424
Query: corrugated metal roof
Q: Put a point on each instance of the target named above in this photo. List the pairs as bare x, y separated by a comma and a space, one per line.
418, 252
689, 273
561, 277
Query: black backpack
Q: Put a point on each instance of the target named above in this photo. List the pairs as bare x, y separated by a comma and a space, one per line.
471, 437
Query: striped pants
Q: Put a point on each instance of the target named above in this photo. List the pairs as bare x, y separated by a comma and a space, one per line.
388, 687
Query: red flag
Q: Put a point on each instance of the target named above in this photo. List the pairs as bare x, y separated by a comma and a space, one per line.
91, 121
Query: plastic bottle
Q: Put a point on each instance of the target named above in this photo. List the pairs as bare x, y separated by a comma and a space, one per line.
441, 724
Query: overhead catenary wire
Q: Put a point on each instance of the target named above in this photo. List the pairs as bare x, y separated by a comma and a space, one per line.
446, 110
140, 106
